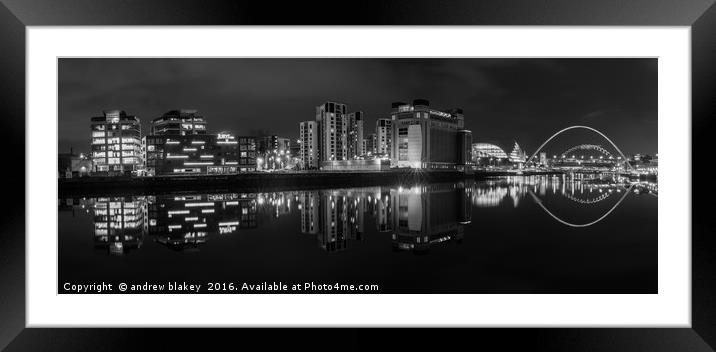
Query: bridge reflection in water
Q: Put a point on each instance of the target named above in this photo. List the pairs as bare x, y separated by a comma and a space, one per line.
416, 217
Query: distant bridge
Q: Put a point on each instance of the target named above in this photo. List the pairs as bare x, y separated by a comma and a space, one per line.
626, 161
588, 147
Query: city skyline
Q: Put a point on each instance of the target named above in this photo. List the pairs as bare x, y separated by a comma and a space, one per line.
504, 100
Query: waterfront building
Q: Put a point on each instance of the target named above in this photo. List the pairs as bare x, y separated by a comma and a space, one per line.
383, 137
333, 131
199, 154
543, 158
295, 148
464, 151
517, 155
71, 165
180, 145
487, 150
308, 137
355, 134
369, 145
426, 138
274, 152
179, 122
334, 135
116, 147
247, 152
356, 165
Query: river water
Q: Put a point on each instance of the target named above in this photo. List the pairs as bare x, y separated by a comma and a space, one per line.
532, 234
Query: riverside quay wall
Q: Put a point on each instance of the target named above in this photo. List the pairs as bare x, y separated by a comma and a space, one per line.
258, 181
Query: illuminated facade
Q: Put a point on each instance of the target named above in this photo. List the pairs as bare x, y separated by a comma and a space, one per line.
425, 138
375, 164
517, 155
247, 152
274, 151
179, 144
355, 134
333, 131
116, 147
308, 136
369, 144
543, 158
383, 137
487, 150
179, 123
199, 154
334, 135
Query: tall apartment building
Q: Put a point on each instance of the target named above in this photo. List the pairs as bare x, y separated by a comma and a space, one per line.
116, 147
308, 136
427, 138
333, 131
334, 135
355, 134
369, 144
384, 137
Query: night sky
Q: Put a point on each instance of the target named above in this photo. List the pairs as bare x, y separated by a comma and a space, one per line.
504, 100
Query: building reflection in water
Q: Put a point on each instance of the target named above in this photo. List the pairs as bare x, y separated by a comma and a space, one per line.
183, 222
119, 223
428, 215
585, 189
415, 217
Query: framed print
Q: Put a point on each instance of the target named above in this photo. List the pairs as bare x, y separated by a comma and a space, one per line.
473, 168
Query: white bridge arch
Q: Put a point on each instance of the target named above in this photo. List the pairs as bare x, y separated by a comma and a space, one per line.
587, 147
580, 127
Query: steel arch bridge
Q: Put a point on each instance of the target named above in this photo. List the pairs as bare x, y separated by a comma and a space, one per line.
626, 161
598, 148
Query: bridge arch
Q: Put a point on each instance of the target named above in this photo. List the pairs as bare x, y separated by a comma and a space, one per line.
580, 127
587, 147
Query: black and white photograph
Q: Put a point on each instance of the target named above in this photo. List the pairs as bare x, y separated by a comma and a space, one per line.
367, 175
237, 169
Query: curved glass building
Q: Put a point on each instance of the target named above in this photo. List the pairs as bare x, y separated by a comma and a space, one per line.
487, 150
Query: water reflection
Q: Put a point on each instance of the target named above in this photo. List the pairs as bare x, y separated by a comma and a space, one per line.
119, 223
416, 217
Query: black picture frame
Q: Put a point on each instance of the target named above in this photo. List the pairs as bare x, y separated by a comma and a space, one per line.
15, 15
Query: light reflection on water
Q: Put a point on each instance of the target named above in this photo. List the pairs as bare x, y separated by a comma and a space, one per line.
415, 218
